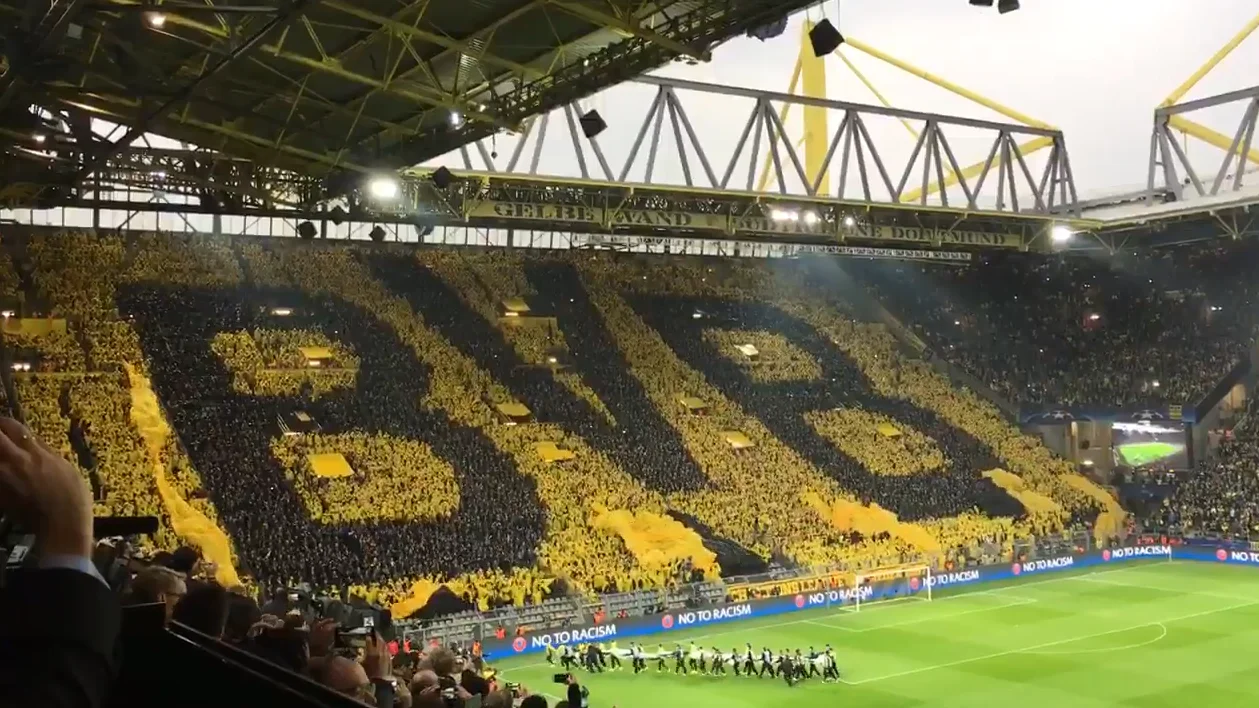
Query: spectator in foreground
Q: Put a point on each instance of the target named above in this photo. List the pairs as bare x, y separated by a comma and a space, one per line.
370, 681
204, 609
158, 584
58, 623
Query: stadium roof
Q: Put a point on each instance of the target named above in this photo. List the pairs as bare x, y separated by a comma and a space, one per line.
320, 85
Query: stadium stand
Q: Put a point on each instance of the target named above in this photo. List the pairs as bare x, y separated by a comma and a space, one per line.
387, 422
490, 441
1135, 330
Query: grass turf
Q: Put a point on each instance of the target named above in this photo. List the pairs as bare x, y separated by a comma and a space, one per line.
1138, 635
1139, 454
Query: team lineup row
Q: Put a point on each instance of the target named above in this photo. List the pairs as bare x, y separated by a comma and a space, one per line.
791, 666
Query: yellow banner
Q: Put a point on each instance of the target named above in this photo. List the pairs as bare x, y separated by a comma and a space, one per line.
570, 214
34, 326
785, 588
657, 542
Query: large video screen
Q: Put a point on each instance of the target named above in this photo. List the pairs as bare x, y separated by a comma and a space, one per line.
1146, 444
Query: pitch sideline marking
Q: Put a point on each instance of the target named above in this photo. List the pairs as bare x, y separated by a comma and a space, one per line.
1046, 645
1018, 602
837, 613
1116, 583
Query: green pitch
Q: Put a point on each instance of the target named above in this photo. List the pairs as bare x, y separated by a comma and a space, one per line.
1138, 454
1138, 635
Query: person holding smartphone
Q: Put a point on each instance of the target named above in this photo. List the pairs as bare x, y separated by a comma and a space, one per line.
577, 695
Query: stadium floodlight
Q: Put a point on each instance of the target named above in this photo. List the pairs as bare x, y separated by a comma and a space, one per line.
39, 138
1007, 6
456, 119
1154, 383
156, 20
1094, 317
383, 187
1061, 233
784, 215
811, 218
850, 221
6, 314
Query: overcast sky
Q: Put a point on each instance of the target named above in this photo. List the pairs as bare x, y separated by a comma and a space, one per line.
1094, 68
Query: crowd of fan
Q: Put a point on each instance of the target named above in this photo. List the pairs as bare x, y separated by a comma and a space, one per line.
308, 638
877, 442
61, 631
611, 349
76, 397
661, 336
403, 478
1061, 331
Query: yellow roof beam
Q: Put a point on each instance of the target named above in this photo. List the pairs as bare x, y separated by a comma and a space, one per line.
602, 18
809, 75
1208, 136
947, 85
1211, 63
873, 89
816, 126
971, 171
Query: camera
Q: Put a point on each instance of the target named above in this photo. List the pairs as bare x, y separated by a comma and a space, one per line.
449, 690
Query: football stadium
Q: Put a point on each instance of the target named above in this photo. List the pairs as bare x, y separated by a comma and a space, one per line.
591, 354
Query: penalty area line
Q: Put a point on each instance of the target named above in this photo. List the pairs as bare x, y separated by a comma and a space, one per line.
1103, 650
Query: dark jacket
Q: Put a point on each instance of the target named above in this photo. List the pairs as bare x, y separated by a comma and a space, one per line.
58, 630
